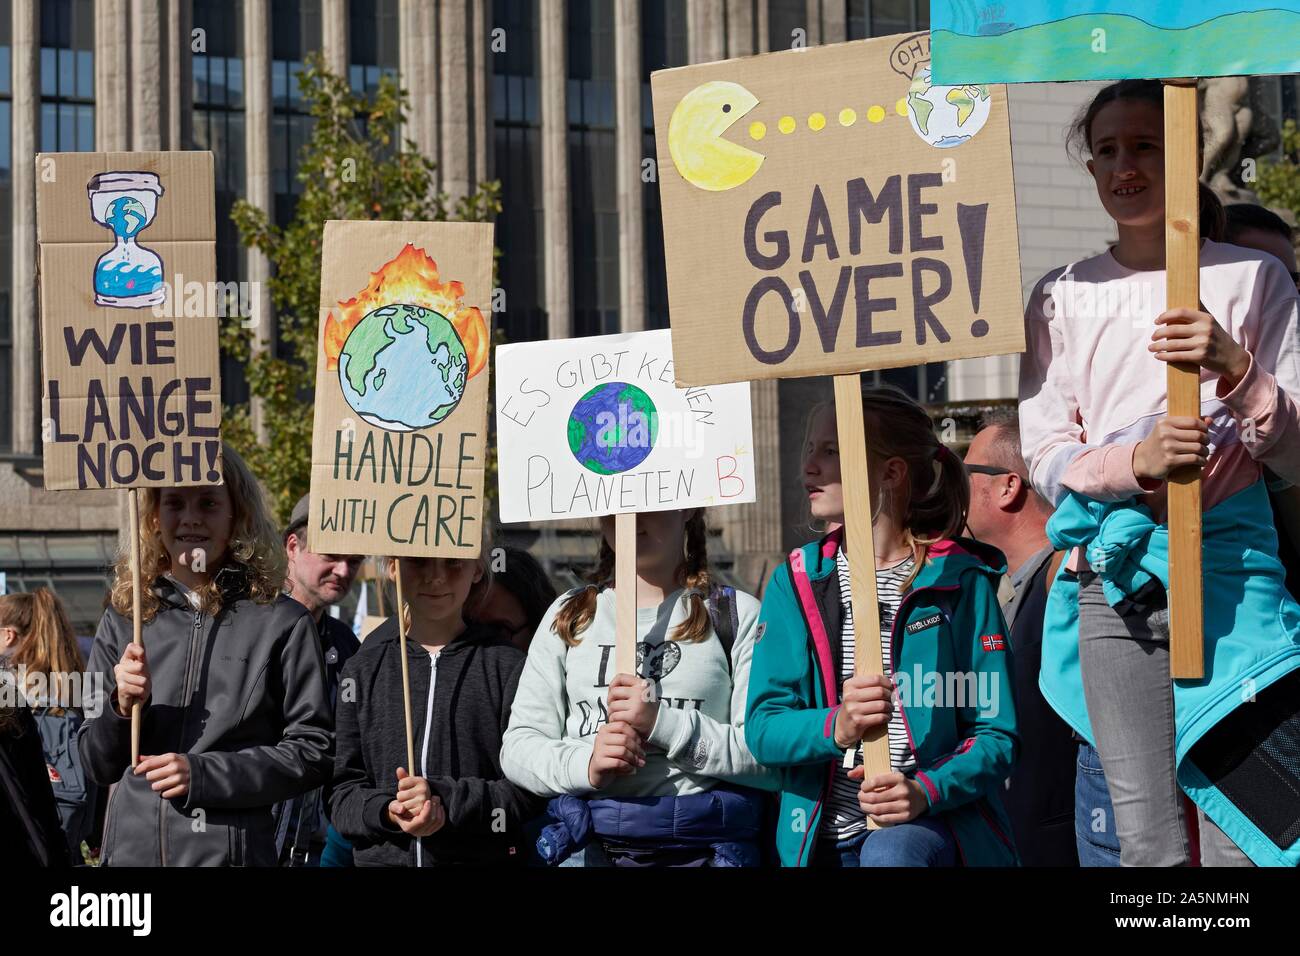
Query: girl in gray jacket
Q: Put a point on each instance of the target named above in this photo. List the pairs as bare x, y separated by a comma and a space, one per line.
235, 712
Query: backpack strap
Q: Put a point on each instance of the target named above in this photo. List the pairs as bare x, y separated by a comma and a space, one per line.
1053, 565
725, 618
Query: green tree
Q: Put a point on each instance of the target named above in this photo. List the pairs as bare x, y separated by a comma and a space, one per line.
351, 168
1279, 181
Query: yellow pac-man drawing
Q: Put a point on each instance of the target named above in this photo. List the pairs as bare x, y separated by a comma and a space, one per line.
701, 155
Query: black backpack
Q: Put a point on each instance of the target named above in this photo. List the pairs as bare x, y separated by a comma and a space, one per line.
74, 794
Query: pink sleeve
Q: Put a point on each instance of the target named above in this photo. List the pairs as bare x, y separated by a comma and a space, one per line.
1263, 403
1106, 473
1268, 420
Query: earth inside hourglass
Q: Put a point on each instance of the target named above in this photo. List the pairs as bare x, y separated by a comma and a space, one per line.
128, 276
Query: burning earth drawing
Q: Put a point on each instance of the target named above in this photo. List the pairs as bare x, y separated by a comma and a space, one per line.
406, 346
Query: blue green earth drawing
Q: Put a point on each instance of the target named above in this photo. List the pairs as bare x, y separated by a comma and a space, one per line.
403, 368
946, 116
613, 428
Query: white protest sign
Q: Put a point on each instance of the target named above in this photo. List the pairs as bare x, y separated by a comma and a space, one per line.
595, 426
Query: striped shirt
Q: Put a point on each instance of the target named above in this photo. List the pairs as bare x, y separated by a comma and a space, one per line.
843, 817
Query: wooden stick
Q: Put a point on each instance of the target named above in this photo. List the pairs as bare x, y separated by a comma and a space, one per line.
137, 623
406, 670
625, 594
1182, 272
859, 543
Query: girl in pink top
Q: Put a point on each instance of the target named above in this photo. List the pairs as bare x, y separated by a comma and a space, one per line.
1094, 420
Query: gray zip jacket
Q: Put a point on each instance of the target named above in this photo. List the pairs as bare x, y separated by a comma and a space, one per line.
243, 696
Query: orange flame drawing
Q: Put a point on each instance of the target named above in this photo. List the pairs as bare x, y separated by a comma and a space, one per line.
410, 279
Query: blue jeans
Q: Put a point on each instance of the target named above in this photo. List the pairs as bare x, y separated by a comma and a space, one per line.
1094, 818
923, 842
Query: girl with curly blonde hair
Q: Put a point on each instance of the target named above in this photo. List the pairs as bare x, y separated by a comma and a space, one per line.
236, 717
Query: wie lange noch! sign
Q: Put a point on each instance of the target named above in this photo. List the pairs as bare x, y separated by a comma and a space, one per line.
831, 210
132, 393
596, 426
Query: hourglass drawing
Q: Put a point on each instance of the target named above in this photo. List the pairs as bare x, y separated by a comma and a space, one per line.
128, 276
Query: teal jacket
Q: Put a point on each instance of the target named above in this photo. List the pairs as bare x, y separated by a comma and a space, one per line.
1237, 730
952, 667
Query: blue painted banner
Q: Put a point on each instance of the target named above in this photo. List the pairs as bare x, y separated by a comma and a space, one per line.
1027, 41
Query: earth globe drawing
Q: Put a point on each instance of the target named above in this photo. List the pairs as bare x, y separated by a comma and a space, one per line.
946, 116
403, 367
613, 428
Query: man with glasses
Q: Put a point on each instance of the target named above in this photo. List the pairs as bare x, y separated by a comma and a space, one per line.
317, 582
1006, 512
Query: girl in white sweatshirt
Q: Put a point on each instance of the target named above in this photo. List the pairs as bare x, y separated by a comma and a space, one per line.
673, 731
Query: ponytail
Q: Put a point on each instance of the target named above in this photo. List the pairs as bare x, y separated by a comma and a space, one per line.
1213, 217
48, 646
579, 609
937, 496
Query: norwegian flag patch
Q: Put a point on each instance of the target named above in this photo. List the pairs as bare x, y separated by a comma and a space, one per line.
993, 642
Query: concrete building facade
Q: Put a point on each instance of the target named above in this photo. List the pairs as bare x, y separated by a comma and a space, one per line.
550, 97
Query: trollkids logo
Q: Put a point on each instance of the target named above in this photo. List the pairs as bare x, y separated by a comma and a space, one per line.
924, 624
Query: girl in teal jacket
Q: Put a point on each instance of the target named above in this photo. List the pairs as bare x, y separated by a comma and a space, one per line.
946, 697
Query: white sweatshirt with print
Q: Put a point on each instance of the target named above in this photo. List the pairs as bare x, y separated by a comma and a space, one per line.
698, 738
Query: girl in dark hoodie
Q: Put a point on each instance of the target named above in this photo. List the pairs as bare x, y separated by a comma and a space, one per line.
235, 713
454, 805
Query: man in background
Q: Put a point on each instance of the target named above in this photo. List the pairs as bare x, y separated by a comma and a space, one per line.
317, 582
1006, 512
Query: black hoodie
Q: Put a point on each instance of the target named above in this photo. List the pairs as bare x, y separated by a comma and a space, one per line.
457, 749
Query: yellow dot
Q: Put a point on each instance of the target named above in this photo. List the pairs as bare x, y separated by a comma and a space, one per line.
876, 114
901, 107
786, 124
816, 121
848, 117
757, 130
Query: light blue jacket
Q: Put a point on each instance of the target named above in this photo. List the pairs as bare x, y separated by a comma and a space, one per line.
1252, 631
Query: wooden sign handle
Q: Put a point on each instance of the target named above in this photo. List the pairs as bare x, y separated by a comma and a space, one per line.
1182, 272
859, 544
137, 623
625, 594
406, 670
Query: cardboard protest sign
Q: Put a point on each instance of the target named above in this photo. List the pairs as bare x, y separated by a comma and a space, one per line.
595, 426
1025, 41
830, 210
129, 313
401, 389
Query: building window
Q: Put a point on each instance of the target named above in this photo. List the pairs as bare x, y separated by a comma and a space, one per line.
373, 43
663, 45
67, 76
784, 17
593, 183
295, 32
6, 227
882, 18
517, 126
219, 127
